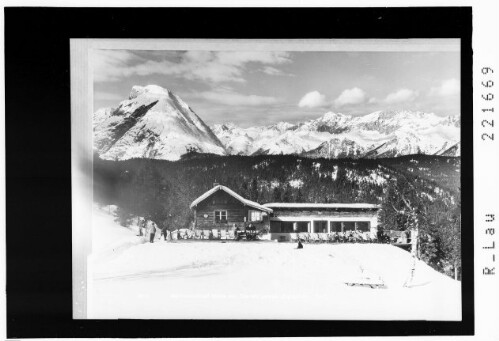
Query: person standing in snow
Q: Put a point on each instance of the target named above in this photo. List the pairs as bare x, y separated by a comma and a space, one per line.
163, 233
152, 230
295, 230
141, 227
379, 236
166, 227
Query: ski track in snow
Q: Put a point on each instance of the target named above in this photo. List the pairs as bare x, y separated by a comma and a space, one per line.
194, 270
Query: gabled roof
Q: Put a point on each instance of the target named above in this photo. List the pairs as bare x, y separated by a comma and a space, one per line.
233, 194
319, 205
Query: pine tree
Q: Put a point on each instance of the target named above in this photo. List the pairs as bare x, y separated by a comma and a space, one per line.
299, 196
287, 195
244, 189
450, 236
253, 191
277, 194
123, 216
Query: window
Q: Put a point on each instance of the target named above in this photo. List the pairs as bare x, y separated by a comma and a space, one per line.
363, 226
336, 226
275, 226
281, 227
348, 226
220, 216
302, 226
255, 215
320, 226
286, 227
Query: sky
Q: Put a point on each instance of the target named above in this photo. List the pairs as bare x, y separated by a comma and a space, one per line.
253, 88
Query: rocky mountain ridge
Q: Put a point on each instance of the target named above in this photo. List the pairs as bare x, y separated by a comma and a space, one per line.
335, 135
155, 123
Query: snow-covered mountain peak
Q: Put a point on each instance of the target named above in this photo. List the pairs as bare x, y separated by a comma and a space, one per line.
378, 134
333, 117
396, 115
154, 90
390, 121
282, 126
152, 123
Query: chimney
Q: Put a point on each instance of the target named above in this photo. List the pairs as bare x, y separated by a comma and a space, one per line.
215, 184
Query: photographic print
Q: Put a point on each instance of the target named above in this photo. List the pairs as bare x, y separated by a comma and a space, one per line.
273, 181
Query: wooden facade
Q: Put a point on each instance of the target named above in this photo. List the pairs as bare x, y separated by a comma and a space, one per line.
223, 211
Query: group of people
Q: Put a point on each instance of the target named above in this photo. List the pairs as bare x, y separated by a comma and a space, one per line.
249, 233
149, 229
351, 237
337, 237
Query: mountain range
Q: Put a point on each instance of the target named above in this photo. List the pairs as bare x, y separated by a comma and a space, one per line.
152, 123
155, 123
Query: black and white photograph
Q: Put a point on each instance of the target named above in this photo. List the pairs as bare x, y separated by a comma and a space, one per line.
191, 170
277, 184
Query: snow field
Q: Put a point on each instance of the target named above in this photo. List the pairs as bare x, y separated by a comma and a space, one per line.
261, 280
108, 237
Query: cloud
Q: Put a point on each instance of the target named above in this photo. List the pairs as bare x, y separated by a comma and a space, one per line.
313, 99
448, 87
242, 57
351, 97
272, 71
110, 65
401, 96
207, 66
229, 97
107, 96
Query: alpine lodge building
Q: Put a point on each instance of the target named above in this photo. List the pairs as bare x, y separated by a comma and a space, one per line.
223, 209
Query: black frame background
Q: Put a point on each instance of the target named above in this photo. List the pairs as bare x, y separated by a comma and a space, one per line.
38, 164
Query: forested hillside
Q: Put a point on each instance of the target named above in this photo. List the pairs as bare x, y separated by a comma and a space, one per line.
414, 191
443, 171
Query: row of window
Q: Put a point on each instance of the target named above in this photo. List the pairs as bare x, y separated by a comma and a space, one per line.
253, 215
319, 226
288, 227
301, 226
342, 226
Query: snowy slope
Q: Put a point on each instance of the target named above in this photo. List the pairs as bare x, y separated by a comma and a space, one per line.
379, 134
108, 237
152, 123
263, 280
